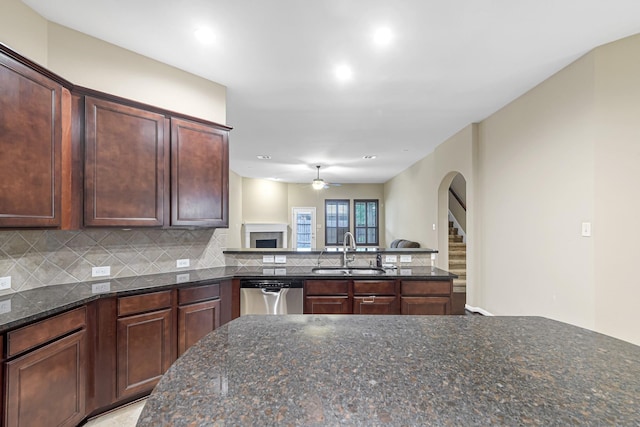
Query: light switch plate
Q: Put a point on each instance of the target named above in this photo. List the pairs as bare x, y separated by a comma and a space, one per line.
280, 271
267, 259
181, 263
390, 258
586, 229
5, 283
405, 258
105, 270
281, 259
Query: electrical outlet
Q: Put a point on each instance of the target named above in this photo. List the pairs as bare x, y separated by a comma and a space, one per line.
101, 271
390, 258
5, 306
281, 259
182, 278
181, 263
267, 259
5, 283
100, 288
405, 258
280, 272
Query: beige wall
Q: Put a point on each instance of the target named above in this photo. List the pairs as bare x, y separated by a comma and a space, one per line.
562, 154
266, 201
302, 195
23, 30
616, 201
89, 62
234, 236
417, 199
536, 188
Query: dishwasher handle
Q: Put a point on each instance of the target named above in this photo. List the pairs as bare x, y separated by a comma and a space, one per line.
268, 291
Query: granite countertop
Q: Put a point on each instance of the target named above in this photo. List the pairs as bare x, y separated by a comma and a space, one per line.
328, 251
399, 371
20, 308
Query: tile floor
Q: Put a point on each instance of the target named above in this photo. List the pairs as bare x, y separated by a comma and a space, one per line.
123, 417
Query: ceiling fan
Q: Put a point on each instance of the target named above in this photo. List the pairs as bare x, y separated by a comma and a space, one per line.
319, 183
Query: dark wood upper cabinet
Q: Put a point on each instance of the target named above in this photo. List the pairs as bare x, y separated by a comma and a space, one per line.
126, 165
73, 157
199, 174
30, 146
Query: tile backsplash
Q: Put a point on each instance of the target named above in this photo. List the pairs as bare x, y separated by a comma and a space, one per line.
36, 258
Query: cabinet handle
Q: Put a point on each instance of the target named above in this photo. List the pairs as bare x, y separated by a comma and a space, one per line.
369, 301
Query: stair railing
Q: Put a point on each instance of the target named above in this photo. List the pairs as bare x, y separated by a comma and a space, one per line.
455, 196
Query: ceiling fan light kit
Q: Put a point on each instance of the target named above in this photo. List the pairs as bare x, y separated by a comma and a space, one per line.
318, 183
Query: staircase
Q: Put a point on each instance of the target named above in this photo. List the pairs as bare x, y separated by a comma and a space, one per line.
458, 266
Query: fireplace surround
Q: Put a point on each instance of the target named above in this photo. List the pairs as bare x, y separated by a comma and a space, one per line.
254, 232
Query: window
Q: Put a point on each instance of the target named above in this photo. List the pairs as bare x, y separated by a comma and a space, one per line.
336, 218
365, 214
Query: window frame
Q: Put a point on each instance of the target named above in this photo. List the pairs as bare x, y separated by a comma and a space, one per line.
367, 227
339, 236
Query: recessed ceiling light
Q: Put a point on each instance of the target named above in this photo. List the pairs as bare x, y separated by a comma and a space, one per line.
343, 72
264, 157
382, 36
205, 35
369, 157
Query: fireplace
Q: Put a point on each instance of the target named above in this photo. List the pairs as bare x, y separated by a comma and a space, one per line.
266, 243
260, 235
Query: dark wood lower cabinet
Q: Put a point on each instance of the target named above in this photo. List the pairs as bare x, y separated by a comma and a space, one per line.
375, 305
144, 351
195, 321
425, 305
46, 387
327, 305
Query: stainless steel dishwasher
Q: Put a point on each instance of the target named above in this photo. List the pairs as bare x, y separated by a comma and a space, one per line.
271, 296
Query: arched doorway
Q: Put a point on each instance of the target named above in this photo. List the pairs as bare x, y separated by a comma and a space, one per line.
452, 218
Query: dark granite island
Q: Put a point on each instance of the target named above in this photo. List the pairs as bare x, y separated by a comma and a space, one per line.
399, 371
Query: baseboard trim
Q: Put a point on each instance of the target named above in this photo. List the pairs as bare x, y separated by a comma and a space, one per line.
477, 310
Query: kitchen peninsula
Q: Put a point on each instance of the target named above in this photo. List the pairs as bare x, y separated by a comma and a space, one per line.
399, 370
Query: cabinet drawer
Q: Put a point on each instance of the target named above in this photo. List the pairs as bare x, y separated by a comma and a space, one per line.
41, 332
375, 305
198, 293
374, 287
424, 287
141, 303
327, 287
425, 305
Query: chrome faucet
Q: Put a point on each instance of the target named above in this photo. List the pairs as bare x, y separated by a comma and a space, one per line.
345, 259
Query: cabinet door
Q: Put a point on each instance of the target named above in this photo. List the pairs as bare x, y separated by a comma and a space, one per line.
47, 387
327, 305
30, 147
144, 351
425, 305
195, 321
375, 305
199, 175
126, 165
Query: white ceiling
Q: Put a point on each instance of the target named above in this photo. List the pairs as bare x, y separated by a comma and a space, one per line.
450, 63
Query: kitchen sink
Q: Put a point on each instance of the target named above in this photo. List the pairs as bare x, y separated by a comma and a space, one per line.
348, 270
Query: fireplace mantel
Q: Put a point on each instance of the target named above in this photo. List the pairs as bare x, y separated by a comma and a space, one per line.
265, 228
